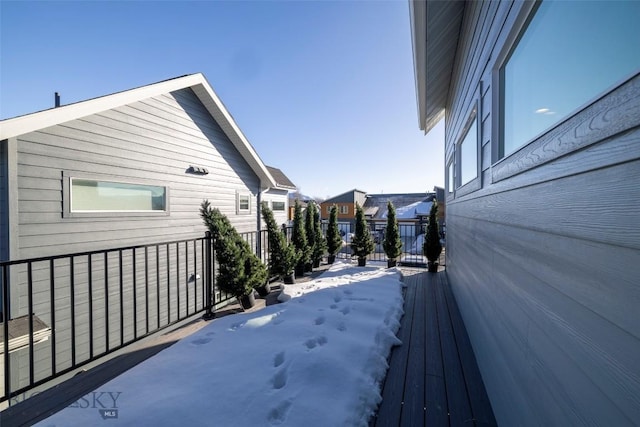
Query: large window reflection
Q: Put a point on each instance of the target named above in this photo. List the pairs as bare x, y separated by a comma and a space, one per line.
570, 53
97, 196
469, 154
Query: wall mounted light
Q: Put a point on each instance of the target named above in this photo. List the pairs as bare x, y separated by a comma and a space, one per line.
197, 170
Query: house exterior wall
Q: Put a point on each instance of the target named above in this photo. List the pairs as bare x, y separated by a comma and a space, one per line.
153, 141
543, 247
276, 195
4, 208
347, 201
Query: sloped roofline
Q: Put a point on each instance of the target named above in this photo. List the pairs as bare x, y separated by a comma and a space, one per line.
282, 181
342, 194
10, 128
435, 33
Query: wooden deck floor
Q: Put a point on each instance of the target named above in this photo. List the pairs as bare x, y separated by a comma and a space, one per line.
433, 377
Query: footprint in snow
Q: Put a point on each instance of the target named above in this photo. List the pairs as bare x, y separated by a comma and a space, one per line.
278, 360
314, 342
345, 310
348, 292
279, 380
278, 415
333, 306
200, 341
342, 327
320, 320
337, 298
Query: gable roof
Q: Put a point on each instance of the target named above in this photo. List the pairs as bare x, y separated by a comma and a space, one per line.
281, 179
435, 31
344, 197
10, 128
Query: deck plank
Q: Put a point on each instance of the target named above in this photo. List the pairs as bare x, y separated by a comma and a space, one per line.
478, 399
457, 399
413, 407
393, 391
435, 363
436, 394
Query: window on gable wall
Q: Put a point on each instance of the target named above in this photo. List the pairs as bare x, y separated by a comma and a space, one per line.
567, 55
89, 195
277, 206
468, 152
244, 204
344, 209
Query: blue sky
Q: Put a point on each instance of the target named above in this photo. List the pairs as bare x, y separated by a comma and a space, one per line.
323, 90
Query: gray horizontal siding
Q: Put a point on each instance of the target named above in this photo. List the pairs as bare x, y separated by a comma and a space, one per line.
154, 140
545, 260
4, 208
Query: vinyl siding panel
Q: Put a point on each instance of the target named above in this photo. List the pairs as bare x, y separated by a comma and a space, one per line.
4, 207
151, 141
544, 261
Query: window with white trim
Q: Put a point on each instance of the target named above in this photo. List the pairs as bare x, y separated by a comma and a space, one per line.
244, 203
467, 149
277, 206
89, 195
566, 56
344, 209
450, 183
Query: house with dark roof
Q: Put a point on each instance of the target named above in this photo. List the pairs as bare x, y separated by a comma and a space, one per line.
277, 197
346, 204
542, 160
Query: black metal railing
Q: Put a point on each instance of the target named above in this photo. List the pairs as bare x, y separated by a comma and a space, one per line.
411, 234
62, 312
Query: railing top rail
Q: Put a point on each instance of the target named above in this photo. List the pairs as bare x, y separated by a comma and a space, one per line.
99, 251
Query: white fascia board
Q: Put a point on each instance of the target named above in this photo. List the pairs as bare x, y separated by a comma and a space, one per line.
418, 20
197, 82
217, 110
43, 119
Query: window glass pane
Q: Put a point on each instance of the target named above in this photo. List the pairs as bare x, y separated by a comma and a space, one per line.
90, 195
278, 206
469, 155
570, 53
243, 203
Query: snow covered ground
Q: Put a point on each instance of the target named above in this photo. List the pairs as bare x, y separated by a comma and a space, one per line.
317, 359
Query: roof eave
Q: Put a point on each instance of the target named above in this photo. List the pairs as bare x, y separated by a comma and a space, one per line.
197, 82
435, 31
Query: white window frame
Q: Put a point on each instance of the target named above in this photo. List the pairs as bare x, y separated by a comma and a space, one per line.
473, 118
273, 206
240, 196
344, 210
549, 145
68, 212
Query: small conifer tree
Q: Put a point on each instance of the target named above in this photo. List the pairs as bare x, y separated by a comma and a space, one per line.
334, 241
282, 255
432, 246
299, 240
239, 269
362, 243
320, 245
309, 229
392, 243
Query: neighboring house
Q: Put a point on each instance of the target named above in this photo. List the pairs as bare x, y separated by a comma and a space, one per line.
542, 155
346, 204
277, 198
376, 204
125, 169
